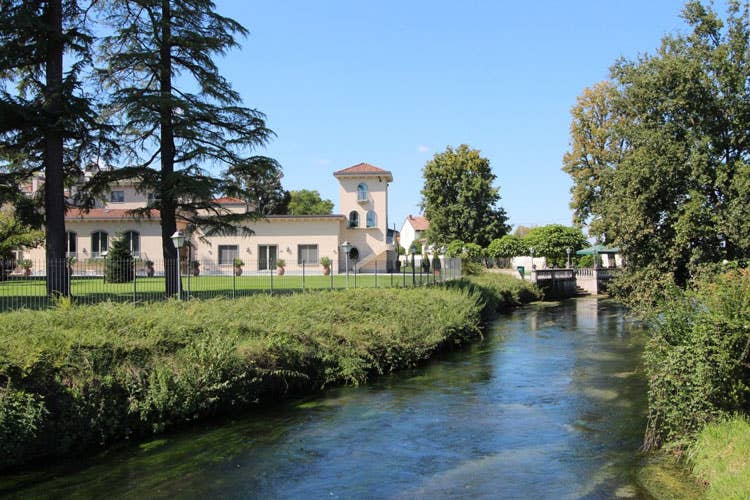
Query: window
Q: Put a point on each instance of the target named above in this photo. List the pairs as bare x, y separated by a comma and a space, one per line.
71, 247
227, 254
117, 196
153, 198
372, 219
98, 243
267, 257
307, 254
353, 219
133, 239
362, 192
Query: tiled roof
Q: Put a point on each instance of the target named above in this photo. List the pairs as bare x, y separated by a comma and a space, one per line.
104, 214
364, 169
228, 200
419, 223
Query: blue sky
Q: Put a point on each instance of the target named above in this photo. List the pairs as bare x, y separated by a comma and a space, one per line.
392, 83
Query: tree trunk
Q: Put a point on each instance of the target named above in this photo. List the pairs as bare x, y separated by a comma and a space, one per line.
58, 280
168, 202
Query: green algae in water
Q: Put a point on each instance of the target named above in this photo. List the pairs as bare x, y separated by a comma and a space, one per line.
665, 479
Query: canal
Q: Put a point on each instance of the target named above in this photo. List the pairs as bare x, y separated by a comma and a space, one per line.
551, 404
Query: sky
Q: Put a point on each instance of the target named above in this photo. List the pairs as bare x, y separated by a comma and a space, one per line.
392, 83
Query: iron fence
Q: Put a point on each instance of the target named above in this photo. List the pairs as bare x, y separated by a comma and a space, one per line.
24, 284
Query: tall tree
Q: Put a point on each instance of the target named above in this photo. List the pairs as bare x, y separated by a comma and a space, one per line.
258, 182
306, 202
597, 147
678, 195
178, 139
459, 200
47, 123
552, 242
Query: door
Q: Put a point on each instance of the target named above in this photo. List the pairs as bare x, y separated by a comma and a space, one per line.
267, 257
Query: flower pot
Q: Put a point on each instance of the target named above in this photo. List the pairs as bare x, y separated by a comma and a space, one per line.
238, 270
326, 271
280, 271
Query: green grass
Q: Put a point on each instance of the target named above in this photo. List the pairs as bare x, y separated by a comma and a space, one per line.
721, 458
32, 293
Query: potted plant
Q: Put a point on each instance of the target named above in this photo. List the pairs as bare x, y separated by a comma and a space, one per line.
196, 267
149, 267
280, 263
238, 267
25, 264
326, 263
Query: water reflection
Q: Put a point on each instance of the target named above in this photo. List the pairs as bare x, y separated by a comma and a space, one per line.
550, 405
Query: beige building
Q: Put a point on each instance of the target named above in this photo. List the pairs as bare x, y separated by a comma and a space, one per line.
300, 241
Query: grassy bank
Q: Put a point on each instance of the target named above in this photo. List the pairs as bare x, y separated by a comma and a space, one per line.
720, 458
80, 377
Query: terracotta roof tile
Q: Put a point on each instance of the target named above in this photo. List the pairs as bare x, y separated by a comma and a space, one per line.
419, 223
104, 214
228, 200
363, 169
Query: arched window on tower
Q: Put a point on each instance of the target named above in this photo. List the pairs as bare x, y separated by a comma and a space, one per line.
353, 219
372, 219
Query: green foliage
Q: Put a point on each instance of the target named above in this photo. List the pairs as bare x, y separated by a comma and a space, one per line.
552, 242
659, 156
119, 264
280, 263
719, 458
697, 359
238, 262
470, 254
325, 261
78, 377
459, 200
14, 234
307, 202
506, 247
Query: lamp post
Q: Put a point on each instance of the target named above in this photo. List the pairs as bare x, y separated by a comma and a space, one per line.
346, 246
531, 251
413, 251
178, 239
568, 250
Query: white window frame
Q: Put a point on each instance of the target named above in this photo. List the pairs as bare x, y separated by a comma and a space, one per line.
372, 219
304, 254
219, 254
120, 196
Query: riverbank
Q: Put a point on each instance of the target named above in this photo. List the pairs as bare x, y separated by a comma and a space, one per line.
77, 378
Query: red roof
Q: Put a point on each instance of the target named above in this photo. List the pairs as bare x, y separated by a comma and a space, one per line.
228, 200
364, 169
104, 213
419, 223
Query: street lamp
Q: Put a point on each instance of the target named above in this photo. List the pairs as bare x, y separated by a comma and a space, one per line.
531, 250
413, 251
568, 250
346, 247
178, 239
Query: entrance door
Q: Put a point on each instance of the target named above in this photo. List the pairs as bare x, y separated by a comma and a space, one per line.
267, 257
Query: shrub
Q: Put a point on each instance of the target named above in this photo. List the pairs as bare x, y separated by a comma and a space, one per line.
697, 360
118, 266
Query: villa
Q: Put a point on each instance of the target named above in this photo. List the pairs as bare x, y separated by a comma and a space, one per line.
300, 240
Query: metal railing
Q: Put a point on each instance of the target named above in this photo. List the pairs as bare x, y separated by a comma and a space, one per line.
23, 284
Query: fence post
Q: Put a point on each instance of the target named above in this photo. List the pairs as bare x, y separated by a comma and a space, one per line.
355, 275
271, 271
303, 275
135, 280
234, 283
376, 273
403, 272
331, 273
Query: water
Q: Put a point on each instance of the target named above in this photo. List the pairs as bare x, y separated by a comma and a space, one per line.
550, 405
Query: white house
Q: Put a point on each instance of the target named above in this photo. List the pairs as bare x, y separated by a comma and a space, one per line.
298, 240
412, 230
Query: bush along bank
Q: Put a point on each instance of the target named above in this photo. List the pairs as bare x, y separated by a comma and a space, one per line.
76, 378
698, 367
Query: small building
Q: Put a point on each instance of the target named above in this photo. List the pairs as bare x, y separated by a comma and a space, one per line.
414, 229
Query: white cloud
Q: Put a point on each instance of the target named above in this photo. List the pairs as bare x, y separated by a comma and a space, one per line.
422, 149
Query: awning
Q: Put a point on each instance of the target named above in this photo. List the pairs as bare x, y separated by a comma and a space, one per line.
598, 250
